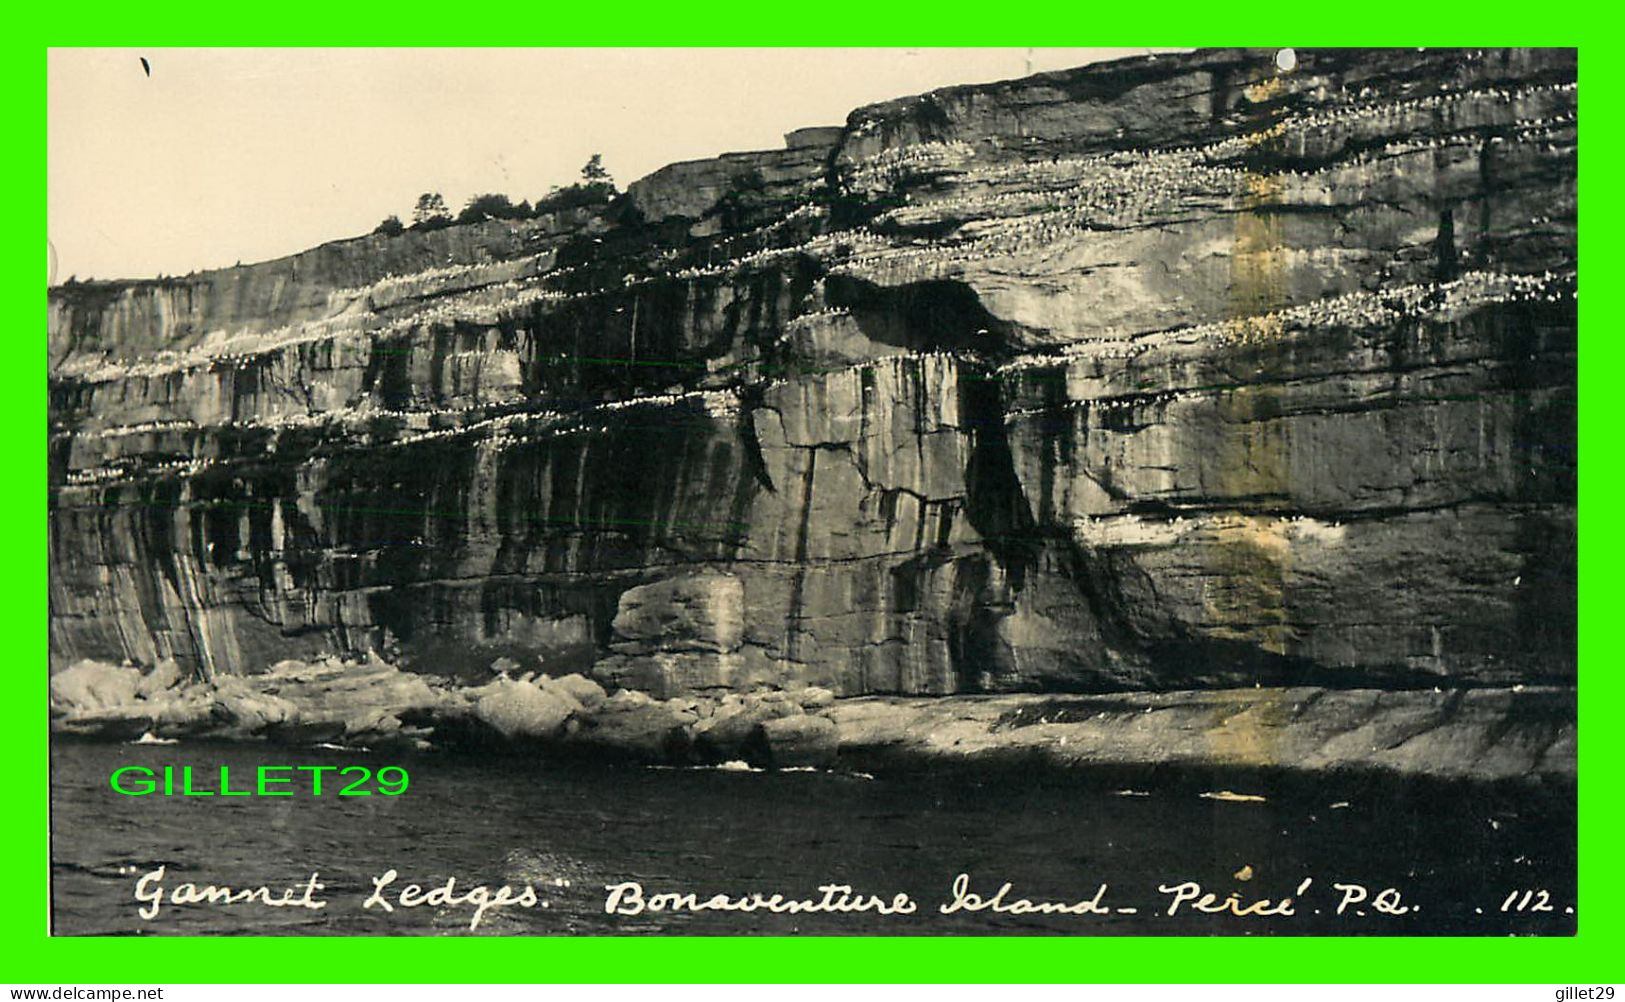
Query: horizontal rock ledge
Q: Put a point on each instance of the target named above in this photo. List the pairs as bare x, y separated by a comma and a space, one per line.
1524, 735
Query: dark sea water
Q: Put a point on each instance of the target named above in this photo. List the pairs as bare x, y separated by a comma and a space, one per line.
1454, 856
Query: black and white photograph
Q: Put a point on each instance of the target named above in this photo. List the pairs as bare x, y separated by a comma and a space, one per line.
829, 491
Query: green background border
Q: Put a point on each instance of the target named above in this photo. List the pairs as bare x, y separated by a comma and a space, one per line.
27, 955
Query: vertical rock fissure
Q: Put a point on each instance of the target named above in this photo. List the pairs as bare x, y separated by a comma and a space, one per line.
995, 504
798, 581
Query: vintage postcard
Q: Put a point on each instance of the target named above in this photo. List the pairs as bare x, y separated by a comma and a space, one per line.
531, 492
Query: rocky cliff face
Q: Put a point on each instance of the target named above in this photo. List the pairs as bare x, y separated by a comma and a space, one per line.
1170, 373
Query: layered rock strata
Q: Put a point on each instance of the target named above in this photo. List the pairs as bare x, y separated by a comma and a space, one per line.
1173, 373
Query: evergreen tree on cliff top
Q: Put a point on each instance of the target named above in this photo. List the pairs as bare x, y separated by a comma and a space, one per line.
594, 172
430, 212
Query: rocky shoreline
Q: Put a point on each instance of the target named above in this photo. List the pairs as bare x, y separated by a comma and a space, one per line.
1521, 736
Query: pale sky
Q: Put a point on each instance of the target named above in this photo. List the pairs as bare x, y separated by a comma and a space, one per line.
226, 155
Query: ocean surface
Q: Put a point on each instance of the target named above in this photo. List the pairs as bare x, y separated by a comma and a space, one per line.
1459, 862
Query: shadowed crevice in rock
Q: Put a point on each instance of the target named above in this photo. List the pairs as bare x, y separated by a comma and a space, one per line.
994, 501
920, 316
